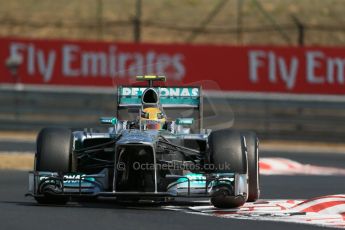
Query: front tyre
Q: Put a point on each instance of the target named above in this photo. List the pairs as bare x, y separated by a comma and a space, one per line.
227, 147
54, 154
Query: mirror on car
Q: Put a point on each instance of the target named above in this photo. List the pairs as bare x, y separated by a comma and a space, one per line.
108, 120
184, 121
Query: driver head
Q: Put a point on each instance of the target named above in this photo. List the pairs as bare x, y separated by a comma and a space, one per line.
153, 118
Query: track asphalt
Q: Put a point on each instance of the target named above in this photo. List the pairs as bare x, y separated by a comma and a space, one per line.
18, 212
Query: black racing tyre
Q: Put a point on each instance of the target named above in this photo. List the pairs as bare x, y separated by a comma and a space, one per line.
54, 154
227, 147
252, 143
54, 150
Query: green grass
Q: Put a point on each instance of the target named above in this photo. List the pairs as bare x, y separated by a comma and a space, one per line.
95, 19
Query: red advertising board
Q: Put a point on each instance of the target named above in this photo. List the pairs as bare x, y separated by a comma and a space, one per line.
312, 70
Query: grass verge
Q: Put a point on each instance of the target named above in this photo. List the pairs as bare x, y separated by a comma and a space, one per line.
16, 161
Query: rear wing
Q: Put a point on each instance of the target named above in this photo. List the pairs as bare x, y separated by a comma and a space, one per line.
172, 99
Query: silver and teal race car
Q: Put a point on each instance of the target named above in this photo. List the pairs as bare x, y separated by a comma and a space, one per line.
155, 149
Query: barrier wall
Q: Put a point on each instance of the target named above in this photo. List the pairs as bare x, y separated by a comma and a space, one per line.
272, 117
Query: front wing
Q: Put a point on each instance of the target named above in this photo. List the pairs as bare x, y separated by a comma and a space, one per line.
82, 185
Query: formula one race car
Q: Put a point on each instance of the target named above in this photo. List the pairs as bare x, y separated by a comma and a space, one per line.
155, 149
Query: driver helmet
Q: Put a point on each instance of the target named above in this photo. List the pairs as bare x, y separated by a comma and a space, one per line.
152, 118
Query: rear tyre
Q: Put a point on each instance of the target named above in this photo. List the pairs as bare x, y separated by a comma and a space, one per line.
227, 148
54, 154
252, 142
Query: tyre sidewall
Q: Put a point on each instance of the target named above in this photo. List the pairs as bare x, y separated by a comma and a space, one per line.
252, 143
